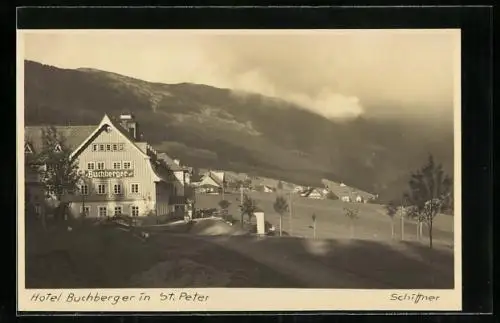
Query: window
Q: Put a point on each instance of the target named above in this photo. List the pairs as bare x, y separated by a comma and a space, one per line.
108, 147
38, 209
115, 147
117, 165
94, 147
134, 188
57, 148
101, 189
27, 149
100, 165
90, 166
127, 165
135, 210
118, 210
84, 189
117, 189
101, 147
120, 147
103, 211
85, 210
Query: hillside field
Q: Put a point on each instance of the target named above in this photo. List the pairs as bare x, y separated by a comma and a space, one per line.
331, 223
209, 127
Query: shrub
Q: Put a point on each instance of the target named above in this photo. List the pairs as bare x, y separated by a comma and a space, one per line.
331, 196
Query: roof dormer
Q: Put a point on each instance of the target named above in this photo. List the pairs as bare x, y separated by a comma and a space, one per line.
27, 148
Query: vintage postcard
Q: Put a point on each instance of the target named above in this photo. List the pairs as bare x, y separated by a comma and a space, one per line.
238, 170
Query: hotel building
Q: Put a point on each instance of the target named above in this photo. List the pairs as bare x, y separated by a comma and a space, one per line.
121, 173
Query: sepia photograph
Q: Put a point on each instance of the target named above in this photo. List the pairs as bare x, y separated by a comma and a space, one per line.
225, 161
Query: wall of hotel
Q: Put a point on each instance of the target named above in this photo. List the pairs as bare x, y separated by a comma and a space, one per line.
126, 207
143, 175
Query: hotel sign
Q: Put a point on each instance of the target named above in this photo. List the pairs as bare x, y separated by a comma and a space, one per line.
109, 173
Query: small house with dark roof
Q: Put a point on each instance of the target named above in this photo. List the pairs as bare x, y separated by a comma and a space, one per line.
122, 174
313, 193
347, 193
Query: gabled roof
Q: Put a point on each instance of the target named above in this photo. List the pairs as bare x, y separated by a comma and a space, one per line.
107, 121
340, 190
210, 180
309, 191
74, 135
219, 175
270, 182
78, 137
170, 162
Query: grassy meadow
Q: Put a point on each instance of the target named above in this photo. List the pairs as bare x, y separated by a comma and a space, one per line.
331, 222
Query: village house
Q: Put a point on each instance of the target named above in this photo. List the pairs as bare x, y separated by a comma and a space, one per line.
313, 193
122, 174
267, 189
298, 189
347, 193
211, 182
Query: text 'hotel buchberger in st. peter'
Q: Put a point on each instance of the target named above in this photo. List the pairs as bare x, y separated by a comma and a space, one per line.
121, 173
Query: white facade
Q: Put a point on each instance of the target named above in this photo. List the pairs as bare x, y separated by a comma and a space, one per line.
345, 199
122, 175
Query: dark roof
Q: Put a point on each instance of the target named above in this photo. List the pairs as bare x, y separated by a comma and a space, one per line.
117, 124
74, 135
340, 191
170, 162
308, 191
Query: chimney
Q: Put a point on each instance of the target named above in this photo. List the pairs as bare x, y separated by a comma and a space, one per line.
128, 122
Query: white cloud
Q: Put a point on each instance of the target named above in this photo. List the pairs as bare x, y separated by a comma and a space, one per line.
336, 74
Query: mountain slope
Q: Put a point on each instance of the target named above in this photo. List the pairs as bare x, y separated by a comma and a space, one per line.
212, 127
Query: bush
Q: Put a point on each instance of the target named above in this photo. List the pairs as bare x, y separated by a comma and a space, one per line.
331, 196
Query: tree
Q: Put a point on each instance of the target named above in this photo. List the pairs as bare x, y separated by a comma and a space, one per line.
238, 183
352, 214
248, 206
429, 189
314, 225
391, 210
60, 175
247, 183
280, 206
413, 212
331, 196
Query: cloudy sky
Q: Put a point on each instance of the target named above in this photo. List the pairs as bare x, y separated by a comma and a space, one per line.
334, 73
